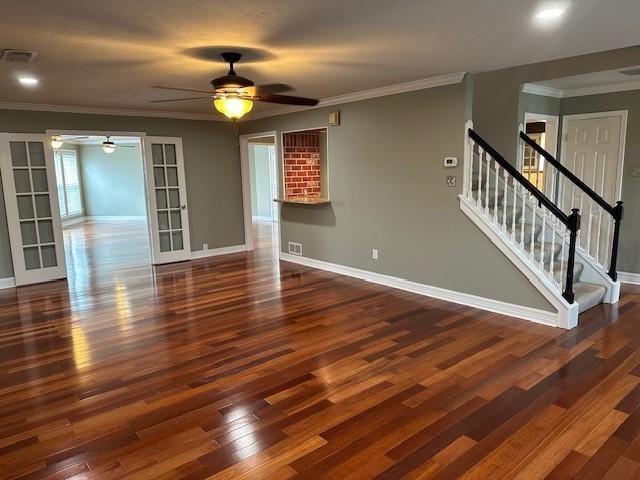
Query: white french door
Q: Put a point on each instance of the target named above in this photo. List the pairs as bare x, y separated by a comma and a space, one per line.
33, 214
166, 200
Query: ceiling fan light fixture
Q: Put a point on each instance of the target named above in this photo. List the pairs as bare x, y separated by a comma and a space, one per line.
233, 107
56, 141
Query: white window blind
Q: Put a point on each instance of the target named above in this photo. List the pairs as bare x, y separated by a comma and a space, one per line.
68, 181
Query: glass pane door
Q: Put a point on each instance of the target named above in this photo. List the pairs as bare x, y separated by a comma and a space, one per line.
32, 209
167, 199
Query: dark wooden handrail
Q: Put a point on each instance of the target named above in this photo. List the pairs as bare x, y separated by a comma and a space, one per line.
513, 171
617, 211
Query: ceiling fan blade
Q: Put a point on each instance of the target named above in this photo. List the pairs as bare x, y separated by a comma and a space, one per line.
163, 87
286, 100
178, 99
268, 89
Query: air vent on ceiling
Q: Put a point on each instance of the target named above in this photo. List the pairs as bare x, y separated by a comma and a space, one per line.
17, 56
631, 72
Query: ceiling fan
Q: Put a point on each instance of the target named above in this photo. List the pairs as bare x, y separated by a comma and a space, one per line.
233, 95
109, 147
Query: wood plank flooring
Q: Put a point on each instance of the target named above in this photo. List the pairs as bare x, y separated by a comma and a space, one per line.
243, 367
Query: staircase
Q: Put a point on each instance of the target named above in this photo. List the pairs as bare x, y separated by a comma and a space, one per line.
570, 258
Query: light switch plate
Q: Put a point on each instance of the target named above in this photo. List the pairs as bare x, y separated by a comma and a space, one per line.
450, 162
451, 181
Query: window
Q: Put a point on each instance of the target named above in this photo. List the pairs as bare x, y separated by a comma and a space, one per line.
68, 181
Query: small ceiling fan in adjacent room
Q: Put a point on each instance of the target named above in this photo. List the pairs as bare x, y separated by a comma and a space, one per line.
109, 147
233, 95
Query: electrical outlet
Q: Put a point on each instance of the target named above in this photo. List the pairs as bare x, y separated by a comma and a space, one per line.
205, 246
374, 253
451, 181
635, 172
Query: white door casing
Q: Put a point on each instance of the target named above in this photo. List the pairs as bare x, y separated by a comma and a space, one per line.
33, 213
166, 200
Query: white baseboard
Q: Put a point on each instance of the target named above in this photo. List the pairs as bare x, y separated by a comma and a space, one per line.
214, 252
72, 221
626, 277
8, 282
107, 217
496, 306
261, 218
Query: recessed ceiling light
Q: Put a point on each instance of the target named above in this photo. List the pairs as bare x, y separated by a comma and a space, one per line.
550, 13
28, 81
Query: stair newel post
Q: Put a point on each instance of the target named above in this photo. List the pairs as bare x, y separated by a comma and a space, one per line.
618, 212
468, 162
574, 227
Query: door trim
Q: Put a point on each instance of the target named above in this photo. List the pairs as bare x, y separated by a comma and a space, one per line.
152, 216
623, 114
245, 168
22, 276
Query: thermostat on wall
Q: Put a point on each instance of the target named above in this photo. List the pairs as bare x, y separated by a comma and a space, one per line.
450, 162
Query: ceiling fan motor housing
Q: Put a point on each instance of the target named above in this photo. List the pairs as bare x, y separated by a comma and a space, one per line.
231, 82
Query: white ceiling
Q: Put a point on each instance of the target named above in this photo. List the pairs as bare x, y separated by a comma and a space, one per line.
110, 53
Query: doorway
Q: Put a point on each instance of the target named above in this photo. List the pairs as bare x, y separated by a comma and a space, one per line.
101, 197
542, 129
261, 187
41, 187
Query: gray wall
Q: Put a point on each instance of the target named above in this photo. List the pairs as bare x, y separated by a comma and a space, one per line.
212, 168
630, 236
112, 184
388, 191
530, 103
261, 180
496, 114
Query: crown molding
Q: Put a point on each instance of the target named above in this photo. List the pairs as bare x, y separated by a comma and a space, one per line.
43, 107
431, 82
542, 90
580, 92
422, 84
600, 89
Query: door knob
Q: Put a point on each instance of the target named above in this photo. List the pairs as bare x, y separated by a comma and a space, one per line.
183, 207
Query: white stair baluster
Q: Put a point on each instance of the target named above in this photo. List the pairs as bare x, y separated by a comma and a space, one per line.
554, 222
533, 230
480, 155
514, 207
598, 235
562, 256
522, 214
470, 171
505, 177
607, 242
544, 225
487, 186
496, 165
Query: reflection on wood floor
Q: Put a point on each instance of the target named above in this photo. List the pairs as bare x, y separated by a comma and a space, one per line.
243, 367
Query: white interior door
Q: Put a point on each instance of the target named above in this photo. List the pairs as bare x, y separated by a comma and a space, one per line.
33, 214
593, 150
167, 199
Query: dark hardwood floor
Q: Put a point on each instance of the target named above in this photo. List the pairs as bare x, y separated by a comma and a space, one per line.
243, 367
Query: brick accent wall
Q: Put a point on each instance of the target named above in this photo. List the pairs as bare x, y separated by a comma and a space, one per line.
302, 164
